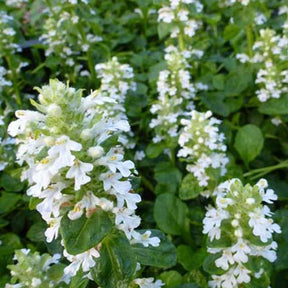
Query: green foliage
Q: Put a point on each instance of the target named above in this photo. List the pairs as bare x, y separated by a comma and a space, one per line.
116, 266
190, 259
130, 31
162, 256
189, 188
170, 214
249, 142
84, 233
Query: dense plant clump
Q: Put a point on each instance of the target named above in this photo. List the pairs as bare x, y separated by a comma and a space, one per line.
137, 141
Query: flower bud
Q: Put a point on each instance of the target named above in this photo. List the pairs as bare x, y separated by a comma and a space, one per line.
96, 151
54, 110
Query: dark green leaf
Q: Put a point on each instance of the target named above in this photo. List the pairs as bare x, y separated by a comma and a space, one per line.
8, 202
163, 256
275, 106
10, 183
78, 281
189, 188
168, 176
189, 258
36, 232
117, 264
249, 142
171, 278
219, 104
84, 233
170, 214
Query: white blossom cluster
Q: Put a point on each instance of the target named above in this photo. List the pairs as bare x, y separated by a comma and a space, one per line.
75, 2
71, 167
33, 270
116, 81
148, 283
176, 94
270, 51
177, 14
7, 35
239, 209
15, 3
202, 146
3, 79
233, 2
62, 38
6, 143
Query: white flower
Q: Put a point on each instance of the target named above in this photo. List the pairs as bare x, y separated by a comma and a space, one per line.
89, 202
226, 259
148, 283
25, 117
166, 15
262, 226
53, 231
112, 180
62, 152
145, 239
241, 251
78, 172
36, 282
269, 196
53, 199
42, 175
126, 220
113, 160
84, 260
242, 273
212, 222
139, 155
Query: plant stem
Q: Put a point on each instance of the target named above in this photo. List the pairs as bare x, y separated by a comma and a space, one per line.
14, 80
256, 173
249, 36
147, 183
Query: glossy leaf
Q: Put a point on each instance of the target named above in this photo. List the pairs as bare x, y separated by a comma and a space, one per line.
162, 256
249, 142
117, 264
84, 233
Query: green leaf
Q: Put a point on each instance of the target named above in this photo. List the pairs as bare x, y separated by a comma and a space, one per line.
164, 30
153, 150
170, 214
117, 264
249, 142
275, 106
190, 259
10, 242
231, 31
8, 202
189, 188
155, 70
10, 183
163, 256
188, 285
238, 80
171, 278
3, 222
56, 272
209, 264
36, 232
78, 281
219, 104
168, 176
219, 82
84, 233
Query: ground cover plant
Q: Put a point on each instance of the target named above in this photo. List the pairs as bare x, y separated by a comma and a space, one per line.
143, 143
